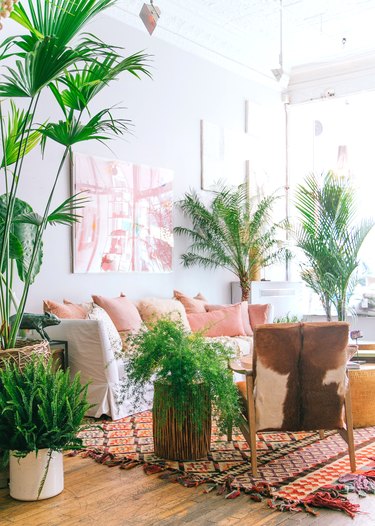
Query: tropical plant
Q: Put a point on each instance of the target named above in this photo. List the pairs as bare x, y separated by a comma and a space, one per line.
231, 233
330, 237
52, 54
40, 407
288, 318
166, 353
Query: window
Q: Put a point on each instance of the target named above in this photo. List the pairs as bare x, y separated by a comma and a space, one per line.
339, 135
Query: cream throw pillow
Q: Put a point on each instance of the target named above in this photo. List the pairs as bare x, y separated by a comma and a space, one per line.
152, 309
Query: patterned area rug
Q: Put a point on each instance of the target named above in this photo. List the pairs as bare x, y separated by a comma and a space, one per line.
292, 466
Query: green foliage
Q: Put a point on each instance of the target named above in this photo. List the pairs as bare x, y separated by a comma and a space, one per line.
167, 353
40, 408
231, 233
23, 238
330, 238
288, 318
52, 54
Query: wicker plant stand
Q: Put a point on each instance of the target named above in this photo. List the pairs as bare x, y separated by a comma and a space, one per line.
174, 442
24, 351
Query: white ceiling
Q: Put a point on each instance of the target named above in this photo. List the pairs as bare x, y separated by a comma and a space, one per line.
246, 33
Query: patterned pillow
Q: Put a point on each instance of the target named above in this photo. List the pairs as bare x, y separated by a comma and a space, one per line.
97, 313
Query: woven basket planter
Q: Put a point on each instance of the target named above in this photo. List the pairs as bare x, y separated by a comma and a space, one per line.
180, 442
24, 351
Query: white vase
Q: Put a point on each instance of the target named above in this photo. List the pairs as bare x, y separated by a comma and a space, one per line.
27, 473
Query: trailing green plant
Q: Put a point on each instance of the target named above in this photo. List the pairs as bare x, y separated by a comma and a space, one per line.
231, 232
167, 353
52, 54
330, 236
288, 318
40, 408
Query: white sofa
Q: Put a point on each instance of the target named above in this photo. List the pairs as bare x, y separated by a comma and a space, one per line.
90, 353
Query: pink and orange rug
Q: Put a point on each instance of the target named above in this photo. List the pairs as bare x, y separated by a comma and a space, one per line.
292, 466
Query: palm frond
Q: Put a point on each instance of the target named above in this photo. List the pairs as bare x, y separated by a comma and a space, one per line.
101, 127
13, 144
66, 212
61, 18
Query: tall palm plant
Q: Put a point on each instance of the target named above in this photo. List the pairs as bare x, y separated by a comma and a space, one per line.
330, 238
52, 54
231, 233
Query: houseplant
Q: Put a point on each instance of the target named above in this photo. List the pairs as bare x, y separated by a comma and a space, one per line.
51, 55
231, 233
330, 237
41, 411
190, 374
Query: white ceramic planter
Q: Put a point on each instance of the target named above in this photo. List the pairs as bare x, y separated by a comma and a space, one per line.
26, 475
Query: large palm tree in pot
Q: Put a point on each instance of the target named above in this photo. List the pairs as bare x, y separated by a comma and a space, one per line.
330, 236
231, 232
51, 55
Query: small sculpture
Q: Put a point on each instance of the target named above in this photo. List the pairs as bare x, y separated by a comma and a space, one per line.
37, 322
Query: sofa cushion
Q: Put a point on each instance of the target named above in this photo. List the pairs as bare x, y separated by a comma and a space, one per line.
192, 305
244, 313
152, 309
258, 314
97, 313
66, 310
122, 312
223, 322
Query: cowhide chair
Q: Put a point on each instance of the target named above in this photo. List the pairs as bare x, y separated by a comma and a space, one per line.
298, 382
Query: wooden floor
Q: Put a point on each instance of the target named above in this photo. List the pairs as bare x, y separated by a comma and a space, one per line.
102, 496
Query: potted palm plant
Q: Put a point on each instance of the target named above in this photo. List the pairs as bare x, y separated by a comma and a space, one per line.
51, 55
330, 237
41, 411
191, 376
231, 233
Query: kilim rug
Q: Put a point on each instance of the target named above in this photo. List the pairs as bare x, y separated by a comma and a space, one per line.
291, 466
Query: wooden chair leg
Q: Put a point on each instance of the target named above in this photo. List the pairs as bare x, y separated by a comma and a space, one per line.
349, 428
321, 434
251, 418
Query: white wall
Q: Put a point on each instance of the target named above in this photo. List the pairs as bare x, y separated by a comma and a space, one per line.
166, 112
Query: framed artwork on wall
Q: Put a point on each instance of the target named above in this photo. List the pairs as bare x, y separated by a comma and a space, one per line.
127, 225
224, 155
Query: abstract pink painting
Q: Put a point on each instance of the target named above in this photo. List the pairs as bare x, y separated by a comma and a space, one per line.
127, 225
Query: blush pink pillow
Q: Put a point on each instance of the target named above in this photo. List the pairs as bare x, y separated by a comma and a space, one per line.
258, 314
122, 312
71, 311
191, 305
223, 322
244, 314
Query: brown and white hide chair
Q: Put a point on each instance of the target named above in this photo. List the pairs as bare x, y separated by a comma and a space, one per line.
298, 382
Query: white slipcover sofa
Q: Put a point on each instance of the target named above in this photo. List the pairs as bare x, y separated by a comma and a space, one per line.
90, 353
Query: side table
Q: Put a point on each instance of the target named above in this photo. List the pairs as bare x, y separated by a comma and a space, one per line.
362, 387
59, 350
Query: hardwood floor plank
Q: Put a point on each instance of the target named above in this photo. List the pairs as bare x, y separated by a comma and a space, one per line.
96, 495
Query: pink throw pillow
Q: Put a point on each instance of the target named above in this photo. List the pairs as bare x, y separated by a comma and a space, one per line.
223, 322
258, 314
122, 312
244, 313
191, 305
70, 311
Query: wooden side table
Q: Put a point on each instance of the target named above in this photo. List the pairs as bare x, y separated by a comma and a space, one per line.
59, 349
362, 387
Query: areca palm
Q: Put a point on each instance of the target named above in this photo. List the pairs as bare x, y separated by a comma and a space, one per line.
330, 238
52, 53
231, 233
